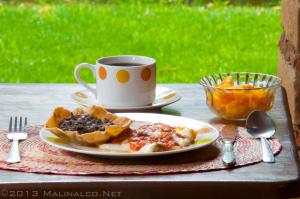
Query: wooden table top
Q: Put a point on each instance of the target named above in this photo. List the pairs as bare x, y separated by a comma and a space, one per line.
268, 180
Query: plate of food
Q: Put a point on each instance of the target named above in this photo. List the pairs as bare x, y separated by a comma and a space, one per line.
95, 131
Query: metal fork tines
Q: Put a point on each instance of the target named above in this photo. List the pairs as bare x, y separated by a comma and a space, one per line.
16, 131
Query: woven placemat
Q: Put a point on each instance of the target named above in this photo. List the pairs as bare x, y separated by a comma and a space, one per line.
39, 157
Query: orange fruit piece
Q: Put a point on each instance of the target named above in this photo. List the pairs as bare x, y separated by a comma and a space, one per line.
261, 100
243, 86
236, 109
226, 83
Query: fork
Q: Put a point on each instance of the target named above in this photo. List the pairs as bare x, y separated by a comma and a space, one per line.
15, 134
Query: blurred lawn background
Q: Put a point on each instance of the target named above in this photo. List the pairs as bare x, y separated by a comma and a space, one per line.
42, 41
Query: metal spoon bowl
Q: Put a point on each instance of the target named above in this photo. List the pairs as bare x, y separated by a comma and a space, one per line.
260, 125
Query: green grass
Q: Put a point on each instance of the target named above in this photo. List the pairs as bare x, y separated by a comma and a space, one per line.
43, 43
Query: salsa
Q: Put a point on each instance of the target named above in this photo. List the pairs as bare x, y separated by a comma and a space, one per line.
159, 133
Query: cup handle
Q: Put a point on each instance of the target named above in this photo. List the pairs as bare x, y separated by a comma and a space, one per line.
80, 81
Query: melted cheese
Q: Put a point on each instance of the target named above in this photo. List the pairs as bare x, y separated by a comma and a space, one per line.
148, 148
186, 139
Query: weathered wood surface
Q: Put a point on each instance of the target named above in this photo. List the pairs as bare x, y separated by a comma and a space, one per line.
260, 180
291, 82
290, 19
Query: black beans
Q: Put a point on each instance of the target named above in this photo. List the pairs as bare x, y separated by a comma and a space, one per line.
83, 123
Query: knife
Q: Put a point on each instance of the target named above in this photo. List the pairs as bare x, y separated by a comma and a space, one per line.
228, 134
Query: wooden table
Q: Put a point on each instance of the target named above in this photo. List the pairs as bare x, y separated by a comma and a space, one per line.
260, 180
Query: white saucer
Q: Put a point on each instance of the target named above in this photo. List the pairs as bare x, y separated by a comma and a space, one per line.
164, 96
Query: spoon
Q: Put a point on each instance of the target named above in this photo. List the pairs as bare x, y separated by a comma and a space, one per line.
260, 125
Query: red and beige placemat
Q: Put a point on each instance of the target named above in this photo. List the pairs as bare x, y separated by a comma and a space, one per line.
39, 157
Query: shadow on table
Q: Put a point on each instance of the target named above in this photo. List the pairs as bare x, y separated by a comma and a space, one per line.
200, 155
168, 111
220, 121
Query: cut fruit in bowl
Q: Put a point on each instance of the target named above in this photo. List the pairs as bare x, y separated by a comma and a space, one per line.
234, 95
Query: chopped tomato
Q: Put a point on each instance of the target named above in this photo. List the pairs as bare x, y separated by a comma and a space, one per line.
161, 134
136, 146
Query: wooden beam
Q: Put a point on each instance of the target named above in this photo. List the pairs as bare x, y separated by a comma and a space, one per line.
290, 19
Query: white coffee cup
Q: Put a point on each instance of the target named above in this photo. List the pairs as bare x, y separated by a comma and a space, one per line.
122, 81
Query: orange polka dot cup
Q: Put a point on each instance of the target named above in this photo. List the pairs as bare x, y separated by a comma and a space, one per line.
122, 81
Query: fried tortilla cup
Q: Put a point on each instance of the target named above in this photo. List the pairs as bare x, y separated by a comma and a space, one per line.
120, 124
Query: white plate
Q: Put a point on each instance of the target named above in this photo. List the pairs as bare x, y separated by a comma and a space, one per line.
208, 138
164, 96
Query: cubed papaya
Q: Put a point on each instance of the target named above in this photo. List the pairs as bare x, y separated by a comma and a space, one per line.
218, 103
259, 100
236, 109
227, 82
225, 95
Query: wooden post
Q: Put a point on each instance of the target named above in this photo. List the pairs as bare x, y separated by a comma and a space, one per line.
289, 57
290, 19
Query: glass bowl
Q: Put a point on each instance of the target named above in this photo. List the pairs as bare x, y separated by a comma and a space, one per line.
234, 98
